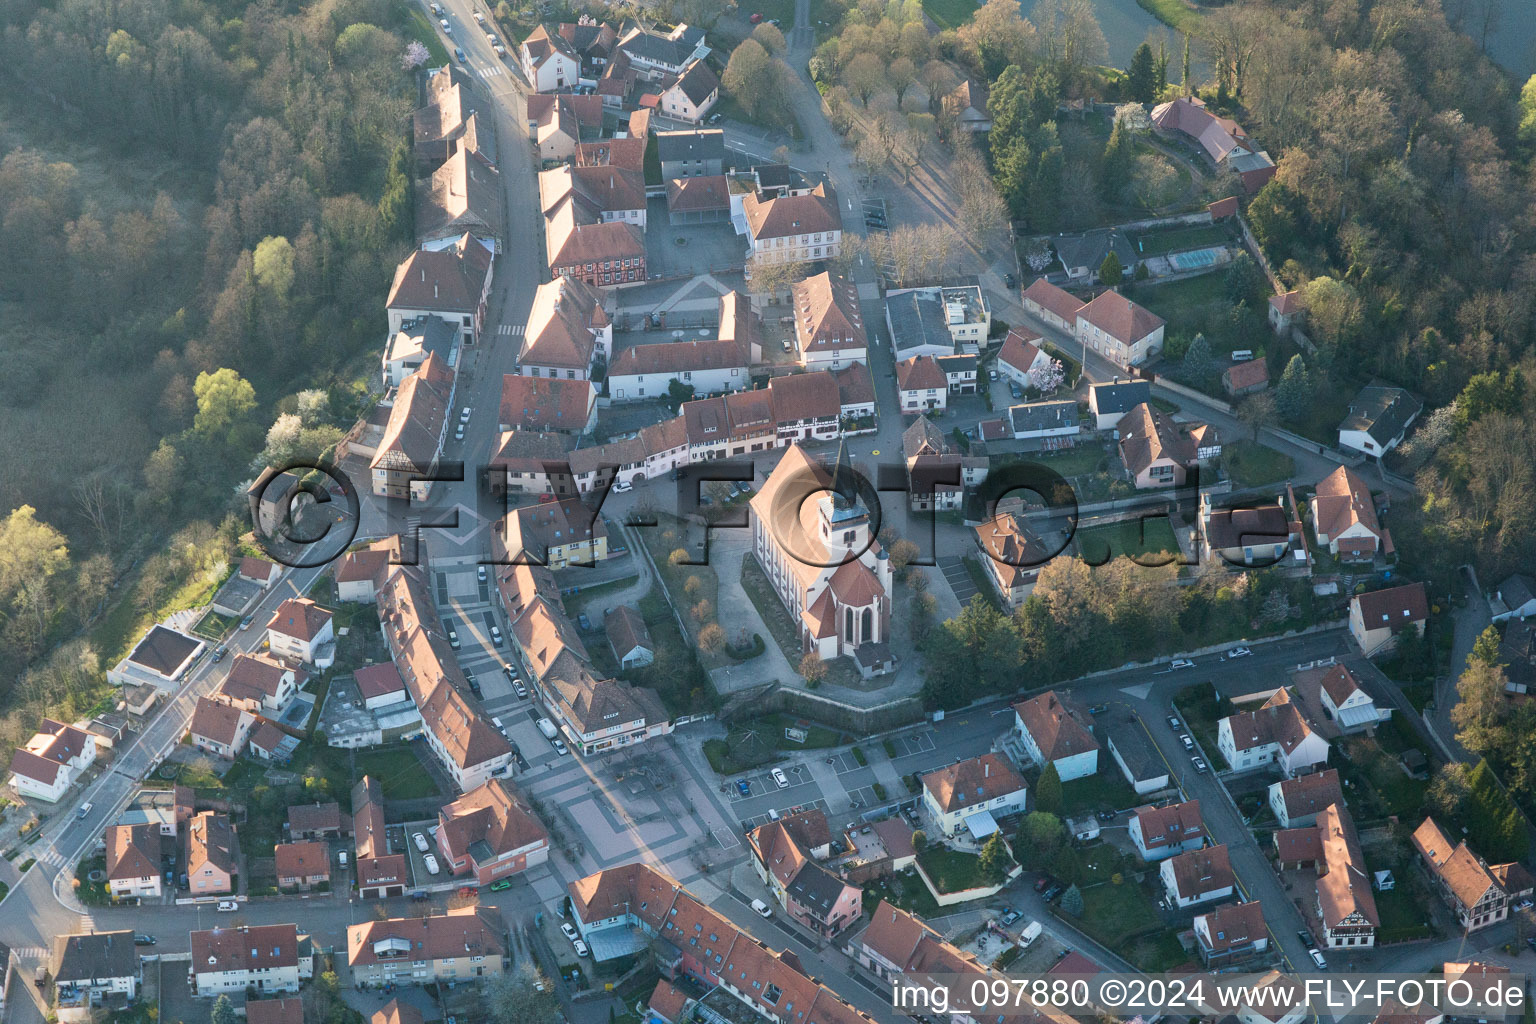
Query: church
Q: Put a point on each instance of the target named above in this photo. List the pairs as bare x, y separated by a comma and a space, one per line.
817, 550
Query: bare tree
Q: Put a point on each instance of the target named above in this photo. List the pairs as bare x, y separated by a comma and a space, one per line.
864, 75
901, 73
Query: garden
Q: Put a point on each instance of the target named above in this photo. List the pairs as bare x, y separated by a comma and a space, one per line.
1125, 919
759, 741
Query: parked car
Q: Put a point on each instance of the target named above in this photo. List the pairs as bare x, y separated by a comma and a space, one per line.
245, 623
714, 118
496, 636
228, 906
220, 651
521, 690
85, 809
431, 863
458, 432
623, 487
744, 787
1010, 917
453, 635
1098, 709
781, 778
761, 909
458, 55
480, 573
757, 18
464, 415
420, 841
474, 684
444, 23
479, 17
568, 929
501, 885
420, 896
1044, 883
1239, 652
560, 747
992, 375
1010, 281
1189, 744
143, 940
581, 948
1179, 663
1200, 765
1317, 958
1053, 894
584, 622
1173, 722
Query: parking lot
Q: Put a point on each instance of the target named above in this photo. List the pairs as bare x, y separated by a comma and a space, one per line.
748, 824
762, 783
958, 578
913, 743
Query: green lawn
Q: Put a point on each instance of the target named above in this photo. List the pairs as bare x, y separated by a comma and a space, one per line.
398, 771
1329, 402
1251, 464
953, 870
1124, 918
1100, 790
905, 891
1130, 537
772, 611
420, 28
761, 741
949, 13
1402, 915
1199, 236
1070, 462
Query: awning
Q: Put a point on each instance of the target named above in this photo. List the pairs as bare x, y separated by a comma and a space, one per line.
617, 941
981, 824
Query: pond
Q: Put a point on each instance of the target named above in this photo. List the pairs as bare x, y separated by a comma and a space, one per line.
1125, 25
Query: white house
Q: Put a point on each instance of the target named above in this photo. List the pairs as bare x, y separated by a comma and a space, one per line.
1347, 703
266, 958
1231, 933
920, 385
1057, 418
969, 796
691, 95
630, 639
710, 367
829, 323
1515, 598
1054, 734
937, 321
302, 630
90, 969
220, 728
1020, 356
1378, 418
1297, 802
1274, 734
52, 761
1163, 832
549, 62
1344, 518
1198, 876
1110, 401
161, 658
261, 684
794, 228
1139, 760
1375, 618
133, 861
1120, 330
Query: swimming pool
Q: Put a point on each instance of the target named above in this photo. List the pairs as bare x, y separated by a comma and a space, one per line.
1195, 259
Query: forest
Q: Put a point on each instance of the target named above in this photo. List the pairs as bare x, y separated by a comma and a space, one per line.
201, 203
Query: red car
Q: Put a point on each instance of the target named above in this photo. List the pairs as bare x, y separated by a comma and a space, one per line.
468, 890
756, 18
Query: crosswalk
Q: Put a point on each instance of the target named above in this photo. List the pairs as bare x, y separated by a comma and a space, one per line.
51, 858
491, 72
510, 330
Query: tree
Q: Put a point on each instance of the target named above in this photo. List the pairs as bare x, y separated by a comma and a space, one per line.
995, 37
1110, 271
995, 860
769, 276
901, 73
1244, 279
1257, 412
516, 997
1481, 713
711, 638
1333, 309
32, 555
679, 556
1293, 395
1184, 77
677, 394
223, 1012
1486, 648
1072, 901
1199, 364
1048, 790
1141, 76
1046, 378
901, 554
415, 55
864, 76
812, 669
224, 399
1041, 835
919, 841
1411, 653
770, 37
755, 79
1115, 168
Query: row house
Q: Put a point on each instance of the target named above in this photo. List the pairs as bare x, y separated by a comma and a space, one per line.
643, 372
460, 945
406, 457
1478, 893
812, 895
489, 833
567, 331
250, 958
581, 244
933, 468
452, 282
969, 796
380, 873
829, 324
547, 404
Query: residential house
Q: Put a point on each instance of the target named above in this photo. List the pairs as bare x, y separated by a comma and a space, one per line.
1197, 876
212, 855
463, 195
959, 373
1109, 402
1514, 598
1285, 309
458, 945
581, 244
259, 571
1297, 801
396, 1012
549, 63
1245, 378
1472, 889
302, 866
600, 194
813, 896
811, 406
453, 282
220, 728
967, 106
261, 684
1231, 934
557, 123
643, 372
52, 761
302, 630
1056, 306
1258, 536
92, 971
282, 1010
627, 636
1160, 452
593, 469
657, 55
798, 227
965, 799
696, 153
1276, 733
490, 833
1345, 906
133, 862
1140, 762
1344, 518
829, 325
567, 331
1053, 733
269, 743
533, 463
1376, 618
1032, 420
937, 321
1120, 330
1167, 831
250, 958
447, 122
410, 346
921, 385
699, 200
163, 656
405, 460
1015, 556
1517, 653
165, 809
380, 873
1081, 256
1345, 701
556, 534
1222, 140
1378, 418
692, 94
933, 467
533, 403
318, 821
1021, 356
362, 570
841, 607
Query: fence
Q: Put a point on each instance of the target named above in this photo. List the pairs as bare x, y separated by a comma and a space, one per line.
841, 715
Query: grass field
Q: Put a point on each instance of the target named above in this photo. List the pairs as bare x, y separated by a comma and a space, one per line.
1094, 792
1199, 236
1254, 465
1124, 918
421, 28
905, 891
1098, 544
949, 13
953, 870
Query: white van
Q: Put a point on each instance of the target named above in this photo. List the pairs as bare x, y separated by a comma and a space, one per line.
341, 857
431, 863
761, 909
